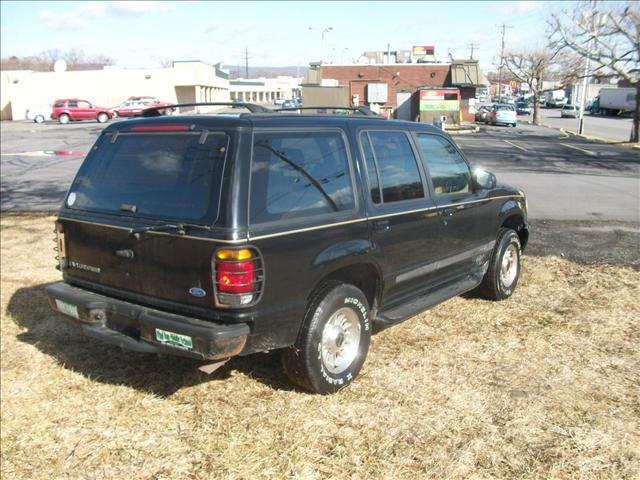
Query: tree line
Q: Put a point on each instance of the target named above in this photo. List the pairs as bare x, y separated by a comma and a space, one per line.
75, 58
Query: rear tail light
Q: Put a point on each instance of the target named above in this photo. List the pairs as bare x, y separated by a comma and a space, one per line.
61, 246
238, 276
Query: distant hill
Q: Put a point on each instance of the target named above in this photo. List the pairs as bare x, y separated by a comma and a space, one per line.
267, 72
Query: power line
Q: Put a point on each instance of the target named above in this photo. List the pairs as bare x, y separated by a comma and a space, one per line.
504, 30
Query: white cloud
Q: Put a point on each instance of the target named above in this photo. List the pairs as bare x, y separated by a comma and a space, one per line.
518, 8
61, 21
133, 8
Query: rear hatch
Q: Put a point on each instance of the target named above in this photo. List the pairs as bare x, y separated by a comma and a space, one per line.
166, 179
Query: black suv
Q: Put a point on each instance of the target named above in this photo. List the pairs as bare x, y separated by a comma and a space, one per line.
210, 236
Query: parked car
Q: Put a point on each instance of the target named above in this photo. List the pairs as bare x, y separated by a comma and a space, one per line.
570, 111
482, 112
130, 108
211, 236
73, 109
502, 113
523, 108
151, 102
39, 113
291, 103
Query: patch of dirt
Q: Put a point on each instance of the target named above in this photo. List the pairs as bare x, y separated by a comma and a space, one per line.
587, 242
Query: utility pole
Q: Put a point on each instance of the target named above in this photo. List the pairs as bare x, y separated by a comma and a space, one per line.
504, 30
472, 46
246, 62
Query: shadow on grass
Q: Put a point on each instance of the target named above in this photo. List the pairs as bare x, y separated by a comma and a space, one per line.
50, 333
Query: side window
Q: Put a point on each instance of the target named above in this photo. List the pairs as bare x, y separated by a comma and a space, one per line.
296, 175
72, 104
374, 181
397, 166
82, 104
449, 171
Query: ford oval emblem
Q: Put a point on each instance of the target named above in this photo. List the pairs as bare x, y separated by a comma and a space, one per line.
197, 292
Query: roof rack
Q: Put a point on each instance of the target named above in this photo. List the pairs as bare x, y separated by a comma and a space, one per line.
336, 110
252, 107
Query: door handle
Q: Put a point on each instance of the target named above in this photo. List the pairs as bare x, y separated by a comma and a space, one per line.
381, 225
449, 211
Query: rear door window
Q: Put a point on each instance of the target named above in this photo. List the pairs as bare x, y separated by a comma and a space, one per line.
168, 176
296, 175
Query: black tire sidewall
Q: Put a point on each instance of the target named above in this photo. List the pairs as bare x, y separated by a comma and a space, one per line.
321, 380
509, 237
102, 117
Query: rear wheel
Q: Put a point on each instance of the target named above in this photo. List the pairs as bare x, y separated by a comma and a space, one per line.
504, 267
333, 342
39, 119
63, 118
102, 117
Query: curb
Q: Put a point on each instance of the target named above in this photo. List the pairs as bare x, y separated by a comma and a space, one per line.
465, 131
607, 141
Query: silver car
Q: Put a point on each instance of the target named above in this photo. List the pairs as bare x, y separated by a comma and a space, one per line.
570, 111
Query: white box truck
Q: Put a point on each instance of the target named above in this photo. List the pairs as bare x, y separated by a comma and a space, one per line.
614, 101
554, 98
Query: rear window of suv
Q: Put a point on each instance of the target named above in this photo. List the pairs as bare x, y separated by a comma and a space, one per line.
153, 175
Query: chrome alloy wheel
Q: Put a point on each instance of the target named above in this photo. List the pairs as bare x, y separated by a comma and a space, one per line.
509, 267
340, 340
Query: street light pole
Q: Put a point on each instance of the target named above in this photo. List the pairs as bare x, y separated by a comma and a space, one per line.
328, 29
595, 22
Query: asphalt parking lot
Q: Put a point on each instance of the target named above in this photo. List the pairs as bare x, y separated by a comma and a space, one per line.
584, 196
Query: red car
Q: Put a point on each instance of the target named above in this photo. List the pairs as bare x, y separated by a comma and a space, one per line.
130, 108
73, 109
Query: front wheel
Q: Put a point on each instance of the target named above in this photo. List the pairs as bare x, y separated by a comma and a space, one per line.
39, 119
504, 267
333, 342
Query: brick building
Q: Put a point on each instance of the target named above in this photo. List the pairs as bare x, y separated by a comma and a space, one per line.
395, 88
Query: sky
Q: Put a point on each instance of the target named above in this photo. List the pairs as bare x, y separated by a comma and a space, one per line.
144, 33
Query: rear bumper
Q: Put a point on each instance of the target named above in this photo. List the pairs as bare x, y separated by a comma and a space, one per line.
144, 329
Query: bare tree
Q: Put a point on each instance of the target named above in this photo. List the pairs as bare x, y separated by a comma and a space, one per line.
608, 37
531, 67
74, 56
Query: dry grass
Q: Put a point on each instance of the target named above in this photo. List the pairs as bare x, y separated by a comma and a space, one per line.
546, 385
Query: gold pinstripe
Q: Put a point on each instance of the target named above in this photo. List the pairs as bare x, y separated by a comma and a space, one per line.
300, 230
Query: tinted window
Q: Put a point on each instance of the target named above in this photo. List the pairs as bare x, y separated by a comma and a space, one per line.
59, 104
504, 108
296, 175
72, 104
397, 166
164, 176
374, 182
449, 171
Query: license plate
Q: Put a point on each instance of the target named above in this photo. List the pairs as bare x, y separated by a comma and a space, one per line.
174, 339
67, 308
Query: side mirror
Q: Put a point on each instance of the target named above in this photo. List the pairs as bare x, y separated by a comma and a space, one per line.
483, 180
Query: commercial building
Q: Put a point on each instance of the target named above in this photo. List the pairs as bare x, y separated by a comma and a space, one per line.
184, 82
264, 90
409, 91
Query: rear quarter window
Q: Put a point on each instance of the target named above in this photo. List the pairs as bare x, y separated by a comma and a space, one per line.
296, 175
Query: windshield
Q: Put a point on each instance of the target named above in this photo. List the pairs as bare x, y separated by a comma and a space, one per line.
153, 175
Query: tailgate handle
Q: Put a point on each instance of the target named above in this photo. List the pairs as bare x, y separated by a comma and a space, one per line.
126, 253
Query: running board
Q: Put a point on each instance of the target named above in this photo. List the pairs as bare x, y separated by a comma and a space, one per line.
420, 304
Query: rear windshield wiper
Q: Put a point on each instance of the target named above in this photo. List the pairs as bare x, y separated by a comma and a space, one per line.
180, 228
